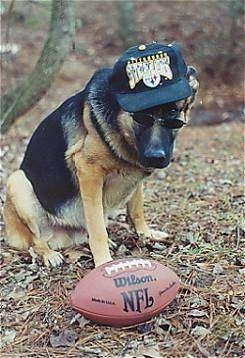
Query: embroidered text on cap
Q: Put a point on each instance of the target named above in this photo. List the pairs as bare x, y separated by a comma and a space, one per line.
149, 69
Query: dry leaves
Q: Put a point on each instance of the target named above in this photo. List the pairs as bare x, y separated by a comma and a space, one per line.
66, 338
203, 219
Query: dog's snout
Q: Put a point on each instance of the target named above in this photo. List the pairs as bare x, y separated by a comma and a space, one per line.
155, 158
155, 154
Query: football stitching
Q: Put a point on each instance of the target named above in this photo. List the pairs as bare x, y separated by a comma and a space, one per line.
123, 266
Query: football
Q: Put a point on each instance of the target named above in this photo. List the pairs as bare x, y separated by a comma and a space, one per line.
125, 292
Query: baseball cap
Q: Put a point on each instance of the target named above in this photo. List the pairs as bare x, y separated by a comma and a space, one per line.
150, 75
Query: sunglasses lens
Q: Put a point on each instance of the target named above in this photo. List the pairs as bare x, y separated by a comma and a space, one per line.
143, 118
173, 123
147, 120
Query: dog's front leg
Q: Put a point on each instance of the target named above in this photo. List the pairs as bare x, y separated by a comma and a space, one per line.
91, 185
135, 210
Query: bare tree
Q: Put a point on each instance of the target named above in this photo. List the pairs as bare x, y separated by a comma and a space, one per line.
58, 45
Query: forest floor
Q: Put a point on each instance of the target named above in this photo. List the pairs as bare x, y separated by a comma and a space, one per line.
198, 200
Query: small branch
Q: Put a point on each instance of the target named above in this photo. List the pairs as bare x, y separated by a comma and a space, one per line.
8, 20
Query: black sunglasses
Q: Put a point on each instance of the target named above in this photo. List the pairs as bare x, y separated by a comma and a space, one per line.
148, 120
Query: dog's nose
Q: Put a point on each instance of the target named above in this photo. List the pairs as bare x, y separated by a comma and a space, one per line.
155, 159
155, 154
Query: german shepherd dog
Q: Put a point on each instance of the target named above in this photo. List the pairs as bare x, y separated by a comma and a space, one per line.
84, 161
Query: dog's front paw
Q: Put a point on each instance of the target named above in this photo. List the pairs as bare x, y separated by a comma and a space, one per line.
158, 236
152, 235
53, 258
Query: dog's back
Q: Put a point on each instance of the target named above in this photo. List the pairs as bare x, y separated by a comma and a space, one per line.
44, 161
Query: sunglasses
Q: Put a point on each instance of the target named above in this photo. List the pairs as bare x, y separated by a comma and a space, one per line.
148, 120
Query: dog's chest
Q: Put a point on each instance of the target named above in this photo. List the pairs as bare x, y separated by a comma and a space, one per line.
119, 187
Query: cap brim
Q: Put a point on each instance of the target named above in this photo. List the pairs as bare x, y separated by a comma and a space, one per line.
134, 102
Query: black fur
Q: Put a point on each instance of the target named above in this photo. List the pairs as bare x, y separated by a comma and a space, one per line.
104, 111
99, 94
44, 162
155, 150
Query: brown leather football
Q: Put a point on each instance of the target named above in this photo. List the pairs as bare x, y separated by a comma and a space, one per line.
125, 292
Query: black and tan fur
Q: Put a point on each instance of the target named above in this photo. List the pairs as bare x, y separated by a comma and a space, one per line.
81, 165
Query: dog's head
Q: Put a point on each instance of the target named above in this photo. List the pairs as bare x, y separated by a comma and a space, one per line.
157, 127
153, 84
155, 131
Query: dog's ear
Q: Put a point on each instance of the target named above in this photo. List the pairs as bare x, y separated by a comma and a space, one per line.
192, 77
194, 84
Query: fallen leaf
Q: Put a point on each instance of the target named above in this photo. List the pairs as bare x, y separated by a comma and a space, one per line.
197, 313
64, 338
17, 293
122, 249
218, 269
242, 271
200, 331
82, 321
149, 351
163, 323
20, 276
34, 256
8, 337
197, 302
203, 351
159, 246
146, 327
74, 255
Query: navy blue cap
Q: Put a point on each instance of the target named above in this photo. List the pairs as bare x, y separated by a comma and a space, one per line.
150, 75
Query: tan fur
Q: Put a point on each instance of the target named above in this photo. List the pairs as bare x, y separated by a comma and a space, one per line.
24, 220
18, 234
94, 163
136, 213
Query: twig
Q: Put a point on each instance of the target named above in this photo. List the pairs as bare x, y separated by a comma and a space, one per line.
7, 32
191, 288
171, 249
8, 18
81, 341
238, 238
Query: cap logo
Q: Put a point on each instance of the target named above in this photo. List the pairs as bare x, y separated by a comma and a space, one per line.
149, 69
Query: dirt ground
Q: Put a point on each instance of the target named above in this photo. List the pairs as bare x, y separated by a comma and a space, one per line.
198, 200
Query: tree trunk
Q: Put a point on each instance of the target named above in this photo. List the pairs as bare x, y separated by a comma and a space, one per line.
58, 45
126, 22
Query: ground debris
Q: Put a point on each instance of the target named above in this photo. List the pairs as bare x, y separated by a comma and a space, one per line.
200, 331
66, 338
203, 217
8, 337
140, 350
82, 321
218, 269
